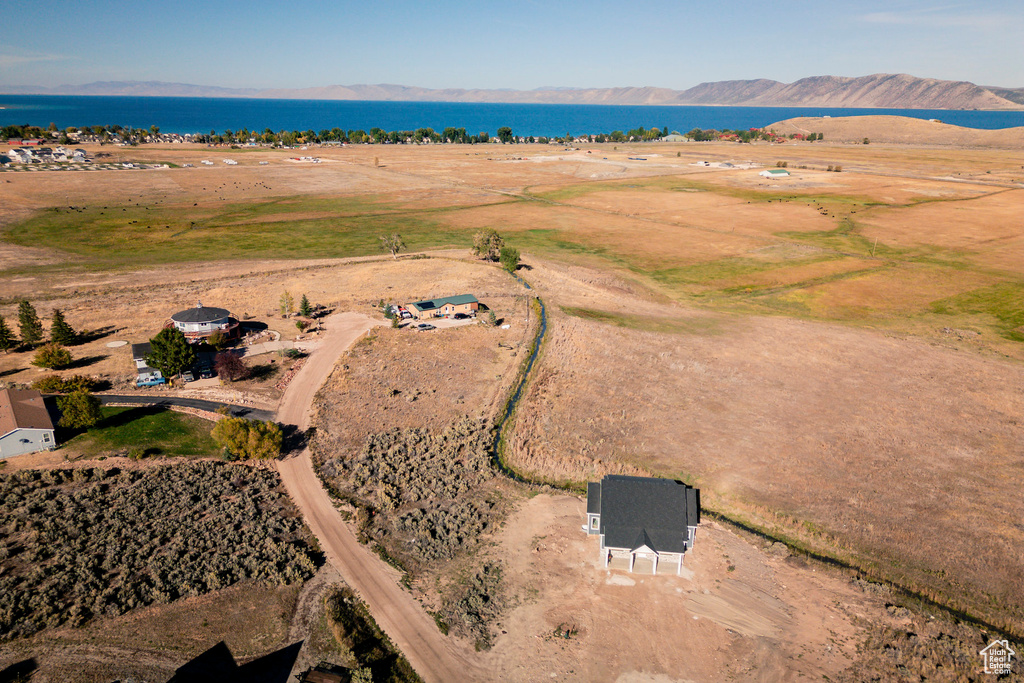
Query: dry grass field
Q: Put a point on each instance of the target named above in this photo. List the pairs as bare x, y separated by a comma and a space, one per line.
835, 358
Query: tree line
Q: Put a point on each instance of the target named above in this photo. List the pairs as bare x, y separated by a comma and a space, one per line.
378, 136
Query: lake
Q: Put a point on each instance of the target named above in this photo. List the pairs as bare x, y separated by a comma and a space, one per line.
201, 115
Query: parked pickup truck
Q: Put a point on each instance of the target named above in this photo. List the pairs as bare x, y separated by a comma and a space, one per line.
150, 382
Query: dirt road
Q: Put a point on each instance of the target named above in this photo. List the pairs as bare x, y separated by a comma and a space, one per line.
395, 610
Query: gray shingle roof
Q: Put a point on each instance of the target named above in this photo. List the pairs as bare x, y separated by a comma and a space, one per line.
594, 497
644, 511
200, 314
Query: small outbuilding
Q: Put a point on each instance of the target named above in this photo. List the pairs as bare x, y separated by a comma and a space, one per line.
444, 306
198, 323
147, 376
25, 423
643, 518
774, 173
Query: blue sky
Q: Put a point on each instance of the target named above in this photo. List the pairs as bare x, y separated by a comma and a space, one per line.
520, 45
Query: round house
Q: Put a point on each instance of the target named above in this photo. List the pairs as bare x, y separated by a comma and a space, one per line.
200, 322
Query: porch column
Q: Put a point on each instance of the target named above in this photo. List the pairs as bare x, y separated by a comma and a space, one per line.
655, 565
607, 553
679, 569
632, 559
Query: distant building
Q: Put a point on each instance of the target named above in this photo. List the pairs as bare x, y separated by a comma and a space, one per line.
643, 518
198, 323
774, 173
25, 424
449, 305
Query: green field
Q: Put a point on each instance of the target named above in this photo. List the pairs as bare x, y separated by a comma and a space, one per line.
144, 432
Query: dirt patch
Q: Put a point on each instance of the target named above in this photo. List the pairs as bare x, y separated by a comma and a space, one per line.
762, 403
765, 619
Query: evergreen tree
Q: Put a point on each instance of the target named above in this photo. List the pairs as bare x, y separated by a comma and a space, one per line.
171, 353
28, 321
60, 331
7, 339
305, 309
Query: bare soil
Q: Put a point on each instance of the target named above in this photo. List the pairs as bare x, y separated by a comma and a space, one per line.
841, 438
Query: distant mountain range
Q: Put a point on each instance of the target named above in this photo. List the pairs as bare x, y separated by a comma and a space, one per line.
889, 91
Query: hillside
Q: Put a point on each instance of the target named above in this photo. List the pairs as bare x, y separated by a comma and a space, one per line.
900, 129
894, 91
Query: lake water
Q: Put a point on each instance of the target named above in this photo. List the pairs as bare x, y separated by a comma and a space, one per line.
201, 115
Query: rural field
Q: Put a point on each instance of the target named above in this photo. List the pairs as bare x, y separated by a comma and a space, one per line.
835, 358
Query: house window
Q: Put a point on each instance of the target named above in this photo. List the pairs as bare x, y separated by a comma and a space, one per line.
594, 521
46, 438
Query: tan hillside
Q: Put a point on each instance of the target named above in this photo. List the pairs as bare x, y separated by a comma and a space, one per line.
900, 129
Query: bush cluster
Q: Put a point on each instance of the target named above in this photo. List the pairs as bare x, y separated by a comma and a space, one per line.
86, 542
479, 605
439, 533
431, 487
411, 465
55, 384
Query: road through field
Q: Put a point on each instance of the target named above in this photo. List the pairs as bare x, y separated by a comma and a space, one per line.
395, 610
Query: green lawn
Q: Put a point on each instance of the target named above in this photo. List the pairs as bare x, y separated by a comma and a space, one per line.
146, 431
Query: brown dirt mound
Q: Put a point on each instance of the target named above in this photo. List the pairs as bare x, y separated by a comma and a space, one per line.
900, 129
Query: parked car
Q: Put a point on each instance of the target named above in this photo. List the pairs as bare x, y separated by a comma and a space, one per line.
460, 316
188, 376
425, 326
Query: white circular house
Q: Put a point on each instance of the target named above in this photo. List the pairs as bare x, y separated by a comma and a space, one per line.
200, 322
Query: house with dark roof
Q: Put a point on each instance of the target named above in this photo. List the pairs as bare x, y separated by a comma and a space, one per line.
25, 423
643, 518
448, 305
200, 322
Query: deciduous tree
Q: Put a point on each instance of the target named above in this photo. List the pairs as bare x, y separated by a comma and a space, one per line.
487, 244
286, 304
79, 410
248, 439
230, 366
392, 243
509, 257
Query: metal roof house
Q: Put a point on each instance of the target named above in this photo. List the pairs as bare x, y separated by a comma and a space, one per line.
200, 322
25, 424
643, 518
449, 305
774, 173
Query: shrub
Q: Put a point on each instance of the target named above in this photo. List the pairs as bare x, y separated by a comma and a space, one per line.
55, 384
218, 340
52, 357
105, 542
230, 366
